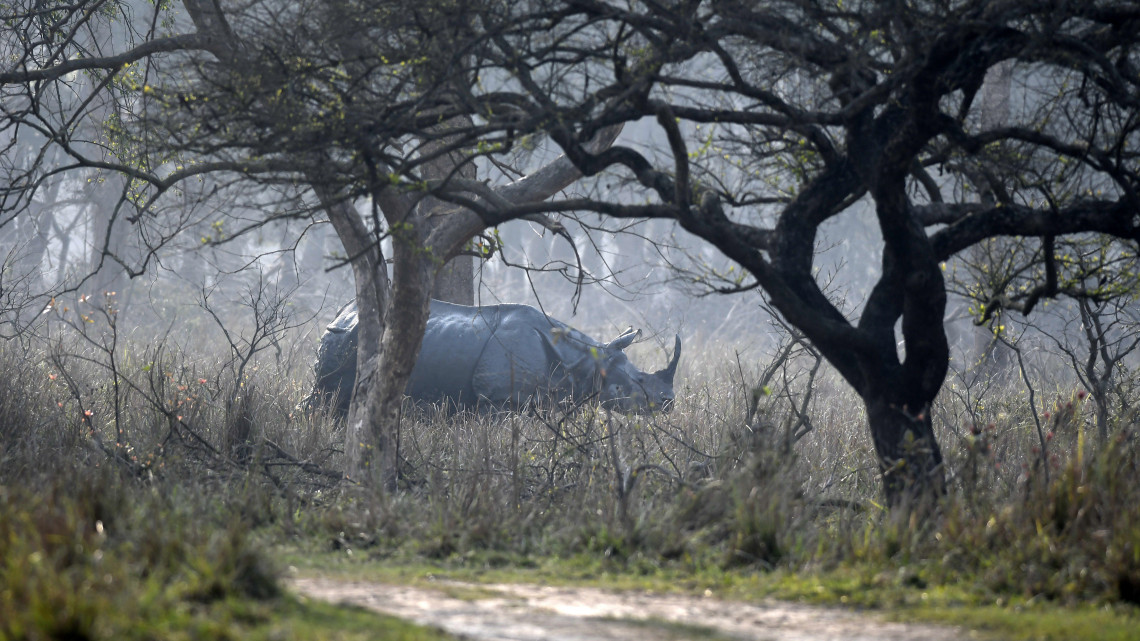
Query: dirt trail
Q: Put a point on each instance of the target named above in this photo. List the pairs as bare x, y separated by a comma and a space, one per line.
537, 613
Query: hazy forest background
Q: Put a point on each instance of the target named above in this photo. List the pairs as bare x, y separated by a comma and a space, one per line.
898, 240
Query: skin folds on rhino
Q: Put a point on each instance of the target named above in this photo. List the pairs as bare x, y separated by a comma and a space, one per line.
502, 356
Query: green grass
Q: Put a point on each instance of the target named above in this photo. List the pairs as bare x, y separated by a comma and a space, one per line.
91, 557
651, 628
1014, 619
307, 619
284, 617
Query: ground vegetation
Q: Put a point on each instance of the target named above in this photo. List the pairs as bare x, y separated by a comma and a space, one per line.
749, 487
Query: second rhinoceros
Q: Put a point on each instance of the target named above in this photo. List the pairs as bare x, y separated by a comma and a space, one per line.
502, 356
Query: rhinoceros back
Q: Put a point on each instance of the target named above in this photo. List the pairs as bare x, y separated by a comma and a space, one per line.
454, 340
491, 356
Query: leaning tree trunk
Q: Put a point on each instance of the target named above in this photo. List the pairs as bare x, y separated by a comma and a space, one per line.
380, 390
372, 302
385, 360
362, 442
388, 345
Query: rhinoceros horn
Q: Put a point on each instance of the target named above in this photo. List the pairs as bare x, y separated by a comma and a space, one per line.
667, 373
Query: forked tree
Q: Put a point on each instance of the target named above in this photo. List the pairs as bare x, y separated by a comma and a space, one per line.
778, 117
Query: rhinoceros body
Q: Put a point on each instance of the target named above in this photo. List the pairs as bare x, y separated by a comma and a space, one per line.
502, 356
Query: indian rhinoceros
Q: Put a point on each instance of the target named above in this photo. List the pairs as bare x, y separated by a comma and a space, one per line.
501, 356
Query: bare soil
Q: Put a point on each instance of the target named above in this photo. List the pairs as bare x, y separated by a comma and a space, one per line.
541, 613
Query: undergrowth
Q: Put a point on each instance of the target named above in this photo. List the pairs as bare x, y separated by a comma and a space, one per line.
85, 556
138, 494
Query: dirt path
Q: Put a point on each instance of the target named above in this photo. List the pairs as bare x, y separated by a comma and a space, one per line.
537, 613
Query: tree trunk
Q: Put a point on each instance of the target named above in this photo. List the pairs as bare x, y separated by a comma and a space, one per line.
455, 282
372, 302
109, 237
1101, 400
361, 440
995, 357
909, 457
377, 410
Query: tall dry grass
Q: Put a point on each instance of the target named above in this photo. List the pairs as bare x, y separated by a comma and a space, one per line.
748, 470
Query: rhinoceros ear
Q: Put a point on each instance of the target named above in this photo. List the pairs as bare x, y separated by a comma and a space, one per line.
625, 340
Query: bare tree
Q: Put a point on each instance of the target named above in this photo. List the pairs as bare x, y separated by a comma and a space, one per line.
778, 117
1097, 331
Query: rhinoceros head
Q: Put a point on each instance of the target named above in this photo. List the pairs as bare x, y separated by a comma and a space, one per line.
627, 389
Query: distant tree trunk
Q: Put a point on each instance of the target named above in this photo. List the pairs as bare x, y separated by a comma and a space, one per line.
192, 267
993, 355
455, 282
110, 237
995, 95
1097, 341
33, 233
311, 254
455, 279
33, 242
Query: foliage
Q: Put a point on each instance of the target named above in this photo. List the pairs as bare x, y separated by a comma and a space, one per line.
750, 486
1015, 526
91, 564
95, 544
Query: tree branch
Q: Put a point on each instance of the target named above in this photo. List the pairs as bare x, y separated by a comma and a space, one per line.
1115, 218
187, 42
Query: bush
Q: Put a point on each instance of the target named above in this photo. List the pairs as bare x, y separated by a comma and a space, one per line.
89, 556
